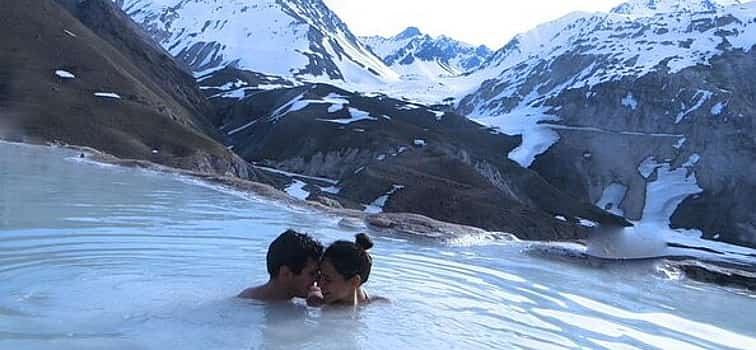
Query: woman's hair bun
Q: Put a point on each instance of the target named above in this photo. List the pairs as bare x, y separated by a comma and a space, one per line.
363, 241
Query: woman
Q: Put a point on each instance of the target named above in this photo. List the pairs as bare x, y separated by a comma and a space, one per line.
344, 268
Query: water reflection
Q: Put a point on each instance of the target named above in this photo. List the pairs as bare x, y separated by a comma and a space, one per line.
128, 259
293, 325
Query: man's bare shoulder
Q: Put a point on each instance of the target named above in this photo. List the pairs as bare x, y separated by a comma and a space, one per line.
252, 293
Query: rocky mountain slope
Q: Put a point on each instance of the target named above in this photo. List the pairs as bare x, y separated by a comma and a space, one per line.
375, 153
79, 72
646, 111
415, 55
288, 38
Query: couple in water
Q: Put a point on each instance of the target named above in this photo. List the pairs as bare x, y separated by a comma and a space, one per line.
299, 268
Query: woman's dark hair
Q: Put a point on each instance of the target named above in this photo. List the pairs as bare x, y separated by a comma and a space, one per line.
351, 258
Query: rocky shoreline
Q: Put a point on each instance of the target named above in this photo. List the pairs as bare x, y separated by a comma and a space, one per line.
741, 277
406, 224
418, 227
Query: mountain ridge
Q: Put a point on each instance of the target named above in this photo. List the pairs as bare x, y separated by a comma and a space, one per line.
447, 55
288, 38
615, 107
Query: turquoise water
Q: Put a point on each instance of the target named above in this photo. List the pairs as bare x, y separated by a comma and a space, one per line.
99, 257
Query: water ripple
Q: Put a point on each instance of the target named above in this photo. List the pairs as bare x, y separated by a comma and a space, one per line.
131, 259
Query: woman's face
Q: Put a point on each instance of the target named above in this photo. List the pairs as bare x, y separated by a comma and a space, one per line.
333, 285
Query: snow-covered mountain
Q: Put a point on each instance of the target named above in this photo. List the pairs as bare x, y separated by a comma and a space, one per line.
646, 8
300, 39
412, 53
582, 50
646, 110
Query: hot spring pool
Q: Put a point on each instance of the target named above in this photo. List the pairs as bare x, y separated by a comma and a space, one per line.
98, 257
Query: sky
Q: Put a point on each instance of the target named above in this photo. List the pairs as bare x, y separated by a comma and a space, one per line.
489, 22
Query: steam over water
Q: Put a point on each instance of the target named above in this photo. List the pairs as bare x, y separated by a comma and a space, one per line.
97, 257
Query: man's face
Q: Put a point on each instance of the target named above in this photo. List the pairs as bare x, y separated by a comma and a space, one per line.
302, 282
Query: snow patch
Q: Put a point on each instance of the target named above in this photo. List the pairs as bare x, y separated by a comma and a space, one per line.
408, 107
64, 74
378, 204
647, 167
587, 223
612, 198
281, 112
237, 94
718, 108
238, 83
525, 121
692, 160
107, 95
357, 115
680, 143
700, 97
335, 108
669, 189
300, 105
337, 102
331, 189
649, 236
419, 142
336, 99
439, 115
630, 102
296, 190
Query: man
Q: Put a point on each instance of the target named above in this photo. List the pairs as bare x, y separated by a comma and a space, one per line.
293, 267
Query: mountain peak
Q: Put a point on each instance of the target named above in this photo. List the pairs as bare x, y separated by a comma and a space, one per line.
645, 8
300, 39
410, 32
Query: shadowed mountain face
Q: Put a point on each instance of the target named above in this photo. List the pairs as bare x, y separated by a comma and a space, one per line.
79, 72
376, 153
711, 149
646, 111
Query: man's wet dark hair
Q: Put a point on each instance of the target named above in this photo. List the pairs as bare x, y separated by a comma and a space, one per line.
292, 249
351, 258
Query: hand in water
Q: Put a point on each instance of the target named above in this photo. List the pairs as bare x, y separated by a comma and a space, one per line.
315, 296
